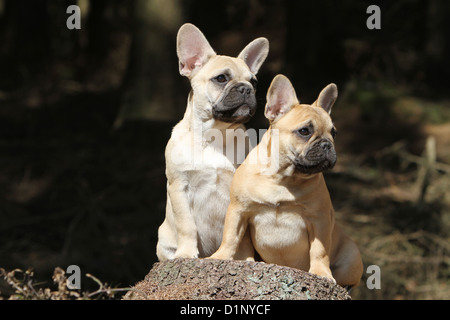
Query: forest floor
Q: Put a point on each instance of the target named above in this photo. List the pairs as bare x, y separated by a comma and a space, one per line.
75, 191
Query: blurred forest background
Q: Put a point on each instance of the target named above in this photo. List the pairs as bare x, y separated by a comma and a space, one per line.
85, 116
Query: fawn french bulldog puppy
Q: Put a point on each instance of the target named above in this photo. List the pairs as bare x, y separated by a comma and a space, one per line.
280, 205
198, 170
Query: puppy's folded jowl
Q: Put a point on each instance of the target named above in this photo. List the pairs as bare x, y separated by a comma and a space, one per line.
237, 103
318, 157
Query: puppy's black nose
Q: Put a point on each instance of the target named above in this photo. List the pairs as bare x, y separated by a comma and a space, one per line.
244, 90
326, 145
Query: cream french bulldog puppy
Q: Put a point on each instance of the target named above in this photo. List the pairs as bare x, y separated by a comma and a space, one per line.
280, 205
199, 164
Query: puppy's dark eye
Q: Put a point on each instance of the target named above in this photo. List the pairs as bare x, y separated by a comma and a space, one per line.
334, 133
221, 78
304, 132
253, 82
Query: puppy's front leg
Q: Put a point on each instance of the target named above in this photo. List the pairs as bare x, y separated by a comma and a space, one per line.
187, 246
233, 232
320, 237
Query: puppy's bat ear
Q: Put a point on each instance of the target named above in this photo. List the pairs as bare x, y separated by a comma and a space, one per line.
281, 98
327, 97
255, 53
193, 49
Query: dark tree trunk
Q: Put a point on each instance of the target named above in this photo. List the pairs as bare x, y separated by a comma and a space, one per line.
150, 87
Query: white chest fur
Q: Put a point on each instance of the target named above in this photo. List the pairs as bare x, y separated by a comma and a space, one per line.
208, 196
280, 229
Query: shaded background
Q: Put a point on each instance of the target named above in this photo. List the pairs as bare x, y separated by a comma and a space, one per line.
85, 116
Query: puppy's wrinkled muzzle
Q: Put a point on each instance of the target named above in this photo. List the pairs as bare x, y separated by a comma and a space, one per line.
238, 105
321, 156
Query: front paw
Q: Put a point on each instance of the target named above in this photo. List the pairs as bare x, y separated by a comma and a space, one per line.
216, 257
323, 272
189, 253
221, 256
332, 279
